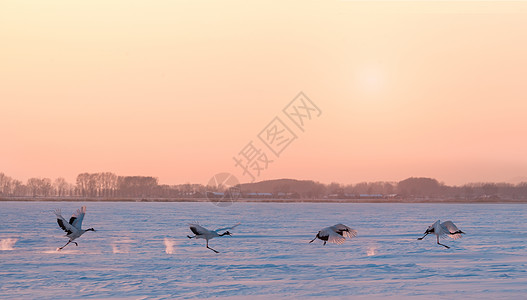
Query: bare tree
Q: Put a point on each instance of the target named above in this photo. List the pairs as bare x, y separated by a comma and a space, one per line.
19, 189
82, 184
5, 185
108, 183
136, 186
490, 189
61, 186
92, 185
335, 188
46, 187
33, 184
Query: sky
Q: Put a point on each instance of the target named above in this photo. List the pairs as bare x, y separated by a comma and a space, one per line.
180, 89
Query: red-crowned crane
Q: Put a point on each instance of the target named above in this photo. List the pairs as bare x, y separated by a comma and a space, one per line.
447, 228
203, 233
73, 228
335, 234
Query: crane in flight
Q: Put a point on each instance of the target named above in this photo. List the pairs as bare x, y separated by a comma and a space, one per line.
447, 228
201, 232
73, 228
335, 234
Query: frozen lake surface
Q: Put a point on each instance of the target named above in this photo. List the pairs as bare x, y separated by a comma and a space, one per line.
140, 251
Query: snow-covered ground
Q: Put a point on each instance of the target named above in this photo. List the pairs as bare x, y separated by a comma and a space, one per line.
140, 251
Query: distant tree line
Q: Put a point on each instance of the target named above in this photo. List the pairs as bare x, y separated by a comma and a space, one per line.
96, 185
429, 188
109, 185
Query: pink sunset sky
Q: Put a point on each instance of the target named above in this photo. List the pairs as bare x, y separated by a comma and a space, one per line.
176, 89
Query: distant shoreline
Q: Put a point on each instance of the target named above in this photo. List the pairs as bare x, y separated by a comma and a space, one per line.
258, 200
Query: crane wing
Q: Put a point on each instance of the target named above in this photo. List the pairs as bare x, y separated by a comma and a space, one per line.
452, 229
197, 229
336, 238
333, 237
77, 217
63, 224
345, 231
439, 229
228, 228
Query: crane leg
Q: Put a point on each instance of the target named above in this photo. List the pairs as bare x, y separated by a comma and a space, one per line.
441, 244
211, 248
190, 237
63, 246
422, 237
324, 243
76, 244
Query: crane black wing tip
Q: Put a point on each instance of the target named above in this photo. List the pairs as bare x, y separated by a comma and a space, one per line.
194, 230
61, 225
